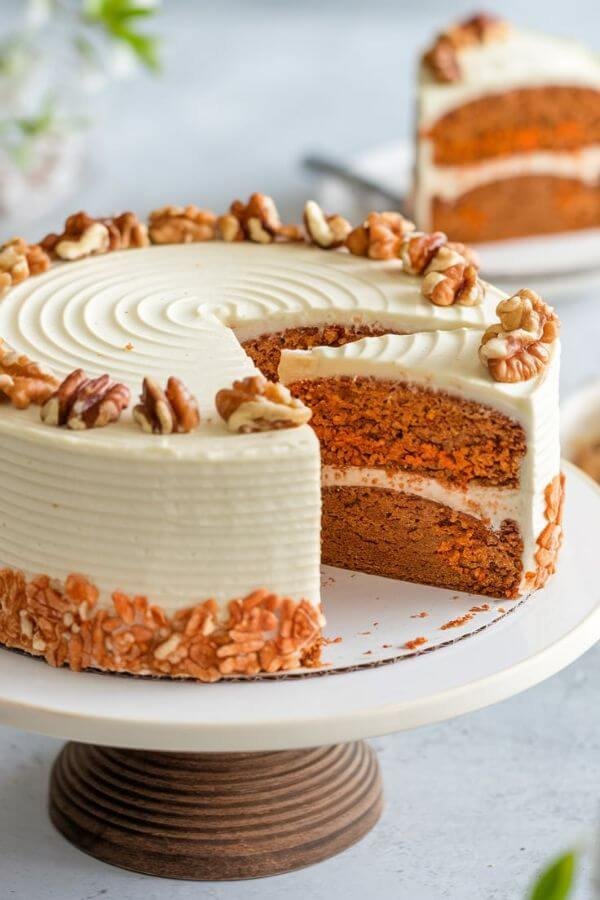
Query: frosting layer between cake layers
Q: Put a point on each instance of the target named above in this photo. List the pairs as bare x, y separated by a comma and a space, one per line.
182, 518
448, 362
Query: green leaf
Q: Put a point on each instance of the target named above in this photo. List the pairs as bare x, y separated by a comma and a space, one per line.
144, 46
556, 882
117, 18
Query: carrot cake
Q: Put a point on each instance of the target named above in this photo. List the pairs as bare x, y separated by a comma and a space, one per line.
161, 495
508, 133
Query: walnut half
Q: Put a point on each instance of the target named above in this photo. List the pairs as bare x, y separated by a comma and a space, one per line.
255, 404
164, 412
81, 402
518, 347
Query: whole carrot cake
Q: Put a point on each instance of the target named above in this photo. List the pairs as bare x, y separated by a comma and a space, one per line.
161, 489
508, 133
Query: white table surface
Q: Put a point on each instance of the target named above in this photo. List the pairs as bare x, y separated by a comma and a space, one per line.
475, 805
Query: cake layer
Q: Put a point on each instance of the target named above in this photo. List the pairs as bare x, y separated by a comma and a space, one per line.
559, 119
379, 423
419, 540
518, 207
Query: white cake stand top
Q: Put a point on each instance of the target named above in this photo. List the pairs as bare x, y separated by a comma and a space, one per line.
501, 655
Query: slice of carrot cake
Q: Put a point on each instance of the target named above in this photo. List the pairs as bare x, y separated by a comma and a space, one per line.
508, 133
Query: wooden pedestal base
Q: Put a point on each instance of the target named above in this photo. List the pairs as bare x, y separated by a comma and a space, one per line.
214, 816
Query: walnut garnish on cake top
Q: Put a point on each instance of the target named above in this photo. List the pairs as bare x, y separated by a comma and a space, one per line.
442, 59
326, 231
518, 347
380, 236
450, 278
181, 225
449, 269
256, 404
174, 410
81, 402
23, 381
84, 235
19, 260
257, 220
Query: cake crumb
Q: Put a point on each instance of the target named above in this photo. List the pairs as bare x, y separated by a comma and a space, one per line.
421, 615
128, 346
456, 623
416, 642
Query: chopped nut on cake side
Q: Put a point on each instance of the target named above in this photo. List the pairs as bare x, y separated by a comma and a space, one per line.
255, 404
80, 402
174, 410
518, 347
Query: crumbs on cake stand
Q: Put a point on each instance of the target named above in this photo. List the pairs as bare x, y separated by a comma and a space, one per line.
416, 642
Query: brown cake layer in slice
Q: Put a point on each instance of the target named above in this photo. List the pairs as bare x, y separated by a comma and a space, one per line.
398, 535
517, 207
517, 121
265, 350
390, 425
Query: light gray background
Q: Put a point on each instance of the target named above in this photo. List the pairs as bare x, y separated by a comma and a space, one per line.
474, 806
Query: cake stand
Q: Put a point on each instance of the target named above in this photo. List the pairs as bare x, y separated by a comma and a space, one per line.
254, 777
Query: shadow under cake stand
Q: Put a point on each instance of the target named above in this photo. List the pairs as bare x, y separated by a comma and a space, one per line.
242, 779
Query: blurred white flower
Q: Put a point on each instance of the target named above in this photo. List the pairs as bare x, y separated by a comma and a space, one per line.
38, 13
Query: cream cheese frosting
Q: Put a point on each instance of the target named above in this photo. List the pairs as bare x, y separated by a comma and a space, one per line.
182, 518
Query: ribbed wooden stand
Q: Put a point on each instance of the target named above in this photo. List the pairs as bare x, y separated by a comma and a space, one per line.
214, 816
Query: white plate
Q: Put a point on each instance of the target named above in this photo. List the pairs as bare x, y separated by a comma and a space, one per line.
539, 637
558, 266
